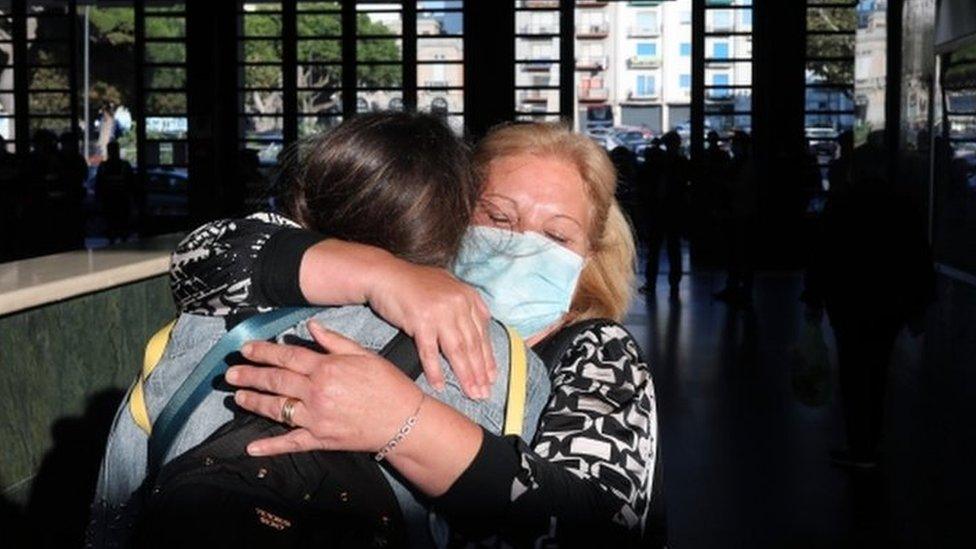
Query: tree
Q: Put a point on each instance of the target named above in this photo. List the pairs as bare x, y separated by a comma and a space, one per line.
317, 82
832, 19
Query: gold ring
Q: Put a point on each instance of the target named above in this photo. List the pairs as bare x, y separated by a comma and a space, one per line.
288, 411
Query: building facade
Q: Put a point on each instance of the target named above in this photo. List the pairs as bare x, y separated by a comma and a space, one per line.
634, 63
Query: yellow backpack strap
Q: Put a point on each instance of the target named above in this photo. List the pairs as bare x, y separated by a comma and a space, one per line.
517, 384
154, 353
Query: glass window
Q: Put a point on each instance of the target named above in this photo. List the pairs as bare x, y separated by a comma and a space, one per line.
721, 19
685, 49
646, 85
720, 50
647, 49
647, 21
684, 81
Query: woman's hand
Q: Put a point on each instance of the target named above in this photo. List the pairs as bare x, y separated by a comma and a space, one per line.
439, 312
350, 399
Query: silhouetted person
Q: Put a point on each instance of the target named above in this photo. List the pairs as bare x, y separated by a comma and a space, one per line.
649, 185
53, 209
841, 169
114, 192
74, 172
625, 162
872, 273
708, 199
740, 210
666, 212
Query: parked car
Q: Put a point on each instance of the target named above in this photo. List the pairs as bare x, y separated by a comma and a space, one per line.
634, 139
598, 134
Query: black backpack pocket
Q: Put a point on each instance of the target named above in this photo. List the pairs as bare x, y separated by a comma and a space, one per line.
217, 495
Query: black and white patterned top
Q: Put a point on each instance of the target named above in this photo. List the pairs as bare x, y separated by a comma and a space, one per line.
587, 475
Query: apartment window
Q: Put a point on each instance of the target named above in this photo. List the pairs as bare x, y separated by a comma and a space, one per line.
646, 85
720, 50
647, 21
684, 81
685, 49
722, 19
647, 49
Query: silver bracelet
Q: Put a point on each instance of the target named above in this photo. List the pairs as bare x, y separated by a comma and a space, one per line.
402, 433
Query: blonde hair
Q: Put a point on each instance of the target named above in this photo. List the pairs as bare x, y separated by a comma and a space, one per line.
604, 287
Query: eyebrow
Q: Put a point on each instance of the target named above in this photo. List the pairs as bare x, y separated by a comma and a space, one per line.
514, 203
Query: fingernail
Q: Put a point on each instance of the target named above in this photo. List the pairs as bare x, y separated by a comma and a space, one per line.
254, 449
231, 375
246, 349
238, 397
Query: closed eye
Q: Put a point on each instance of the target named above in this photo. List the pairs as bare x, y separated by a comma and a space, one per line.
557, 238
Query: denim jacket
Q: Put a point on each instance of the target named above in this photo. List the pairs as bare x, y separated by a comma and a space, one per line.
124, 465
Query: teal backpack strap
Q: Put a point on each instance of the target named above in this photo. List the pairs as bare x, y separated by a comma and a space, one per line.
199, 383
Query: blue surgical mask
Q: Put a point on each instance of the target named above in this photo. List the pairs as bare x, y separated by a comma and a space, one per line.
526, 279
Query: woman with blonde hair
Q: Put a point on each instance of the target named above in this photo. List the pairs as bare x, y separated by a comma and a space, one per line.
551, 254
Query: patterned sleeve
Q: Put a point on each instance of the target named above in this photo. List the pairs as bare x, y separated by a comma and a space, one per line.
219, 269
589, 471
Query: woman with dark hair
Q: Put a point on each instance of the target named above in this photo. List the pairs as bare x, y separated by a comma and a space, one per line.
588, 475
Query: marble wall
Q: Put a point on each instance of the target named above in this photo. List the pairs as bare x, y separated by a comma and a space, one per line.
63, 368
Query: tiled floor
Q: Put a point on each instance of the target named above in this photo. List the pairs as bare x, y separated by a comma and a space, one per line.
746, 463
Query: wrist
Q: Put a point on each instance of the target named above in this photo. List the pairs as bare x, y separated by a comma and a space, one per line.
335, 272
439, 449
403, 432
379, 269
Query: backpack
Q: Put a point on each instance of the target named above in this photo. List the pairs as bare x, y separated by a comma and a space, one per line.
217, 495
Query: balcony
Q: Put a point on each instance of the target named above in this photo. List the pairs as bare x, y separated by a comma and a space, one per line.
719, 96
643, 62
645, 96
643, 32
592, 95
543, 29
644, 3
599, 30
534, 96
554, 4
537, 66
592, 63
590, 3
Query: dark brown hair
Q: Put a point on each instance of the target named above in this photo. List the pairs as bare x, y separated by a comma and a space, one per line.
398, 181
